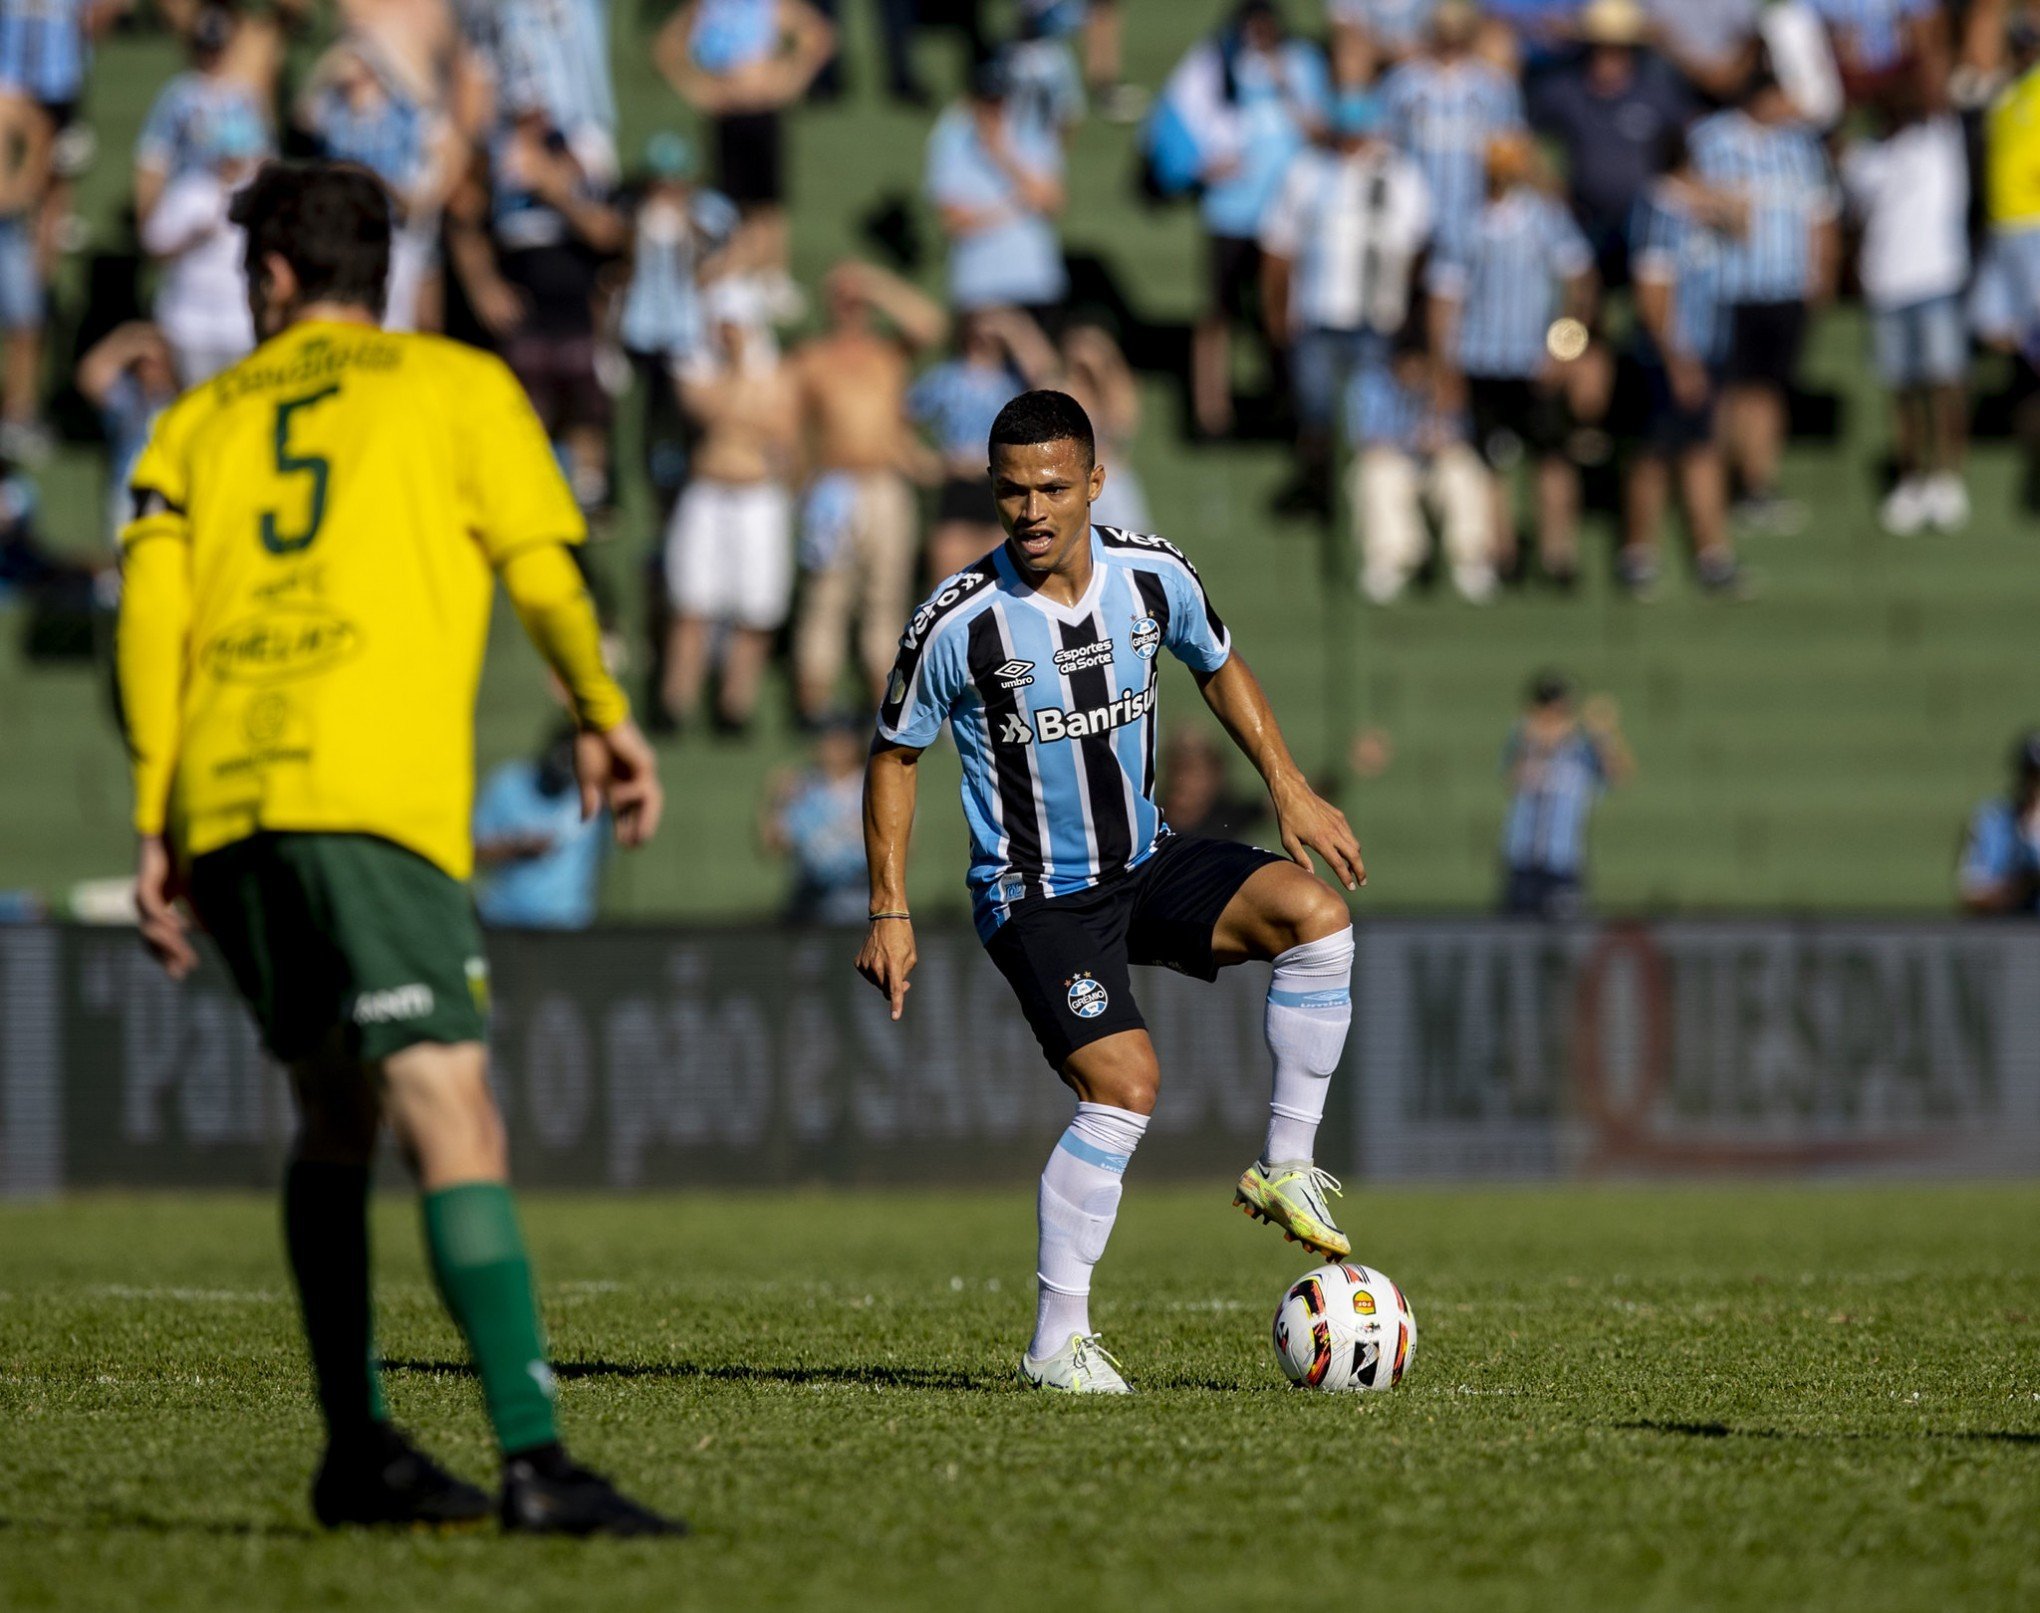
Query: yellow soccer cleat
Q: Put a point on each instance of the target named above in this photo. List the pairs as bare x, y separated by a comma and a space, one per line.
1293, 1196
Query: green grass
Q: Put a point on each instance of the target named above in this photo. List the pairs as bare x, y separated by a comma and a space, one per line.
1818, 748
1730, 1397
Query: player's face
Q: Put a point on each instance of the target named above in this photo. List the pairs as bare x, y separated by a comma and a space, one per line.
1044, 491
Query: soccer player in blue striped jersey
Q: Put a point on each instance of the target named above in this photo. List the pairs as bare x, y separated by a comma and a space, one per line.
1042, 658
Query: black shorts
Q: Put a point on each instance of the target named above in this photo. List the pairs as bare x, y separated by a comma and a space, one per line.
559, 377
967, 498
1764, 343
1235, 286
750, 161
1512, 418
1672, 428
1066, 957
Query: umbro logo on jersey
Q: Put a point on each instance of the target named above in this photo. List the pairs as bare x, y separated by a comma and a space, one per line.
1054, 723
1082, 657
1014, 674
1014, 731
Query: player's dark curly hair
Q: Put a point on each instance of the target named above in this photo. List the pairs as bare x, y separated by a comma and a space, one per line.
1045, 416
329, 221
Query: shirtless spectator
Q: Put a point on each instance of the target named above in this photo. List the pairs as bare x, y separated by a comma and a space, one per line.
729, 551
857, 525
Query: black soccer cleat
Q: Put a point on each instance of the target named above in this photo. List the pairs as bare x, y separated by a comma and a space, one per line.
546, 1493
386, 1481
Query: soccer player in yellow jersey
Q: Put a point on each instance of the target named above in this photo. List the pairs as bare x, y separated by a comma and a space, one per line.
317, 537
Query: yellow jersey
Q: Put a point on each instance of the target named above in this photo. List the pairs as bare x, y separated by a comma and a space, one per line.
333, 510
2014, 155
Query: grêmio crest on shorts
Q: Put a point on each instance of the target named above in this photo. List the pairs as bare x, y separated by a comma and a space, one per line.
1053, 710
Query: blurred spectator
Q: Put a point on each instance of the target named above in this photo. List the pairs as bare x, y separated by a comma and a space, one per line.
195, 112
551, 56
1774, 272
996, 179
729, 549
1495, 308
679, 236
1712, 42
1371, 36
1443, 108
1339, 250
1000, 353
129, 378
859, 538
1557, 763
1609, 111
1415, 462
741, 63
1680, 235
201, 294
2000, 868
529, 242
538, 863
254, 51
1196, 796
1887, 45
1910, 189
815, 819
1253, 97
2012, 192
354, 112
1096, 374
1043, 84
1541, 29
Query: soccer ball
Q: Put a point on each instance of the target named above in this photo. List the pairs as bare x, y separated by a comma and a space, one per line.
1344, 1327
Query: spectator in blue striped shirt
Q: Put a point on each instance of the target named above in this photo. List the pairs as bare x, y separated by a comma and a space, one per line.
1413, 461
195, 113
1775, 271
1680, 236
1558, 763
1443, 108
1498, 302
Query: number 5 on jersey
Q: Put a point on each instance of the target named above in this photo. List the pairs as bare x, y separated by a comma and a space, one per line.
316, 466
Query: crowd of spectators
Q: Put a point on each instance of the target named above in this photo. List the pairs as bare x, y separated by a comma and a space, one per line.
1474, 245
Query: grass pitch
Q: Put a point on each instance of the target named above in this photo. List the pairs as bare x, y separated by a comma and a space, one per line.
1721, 1397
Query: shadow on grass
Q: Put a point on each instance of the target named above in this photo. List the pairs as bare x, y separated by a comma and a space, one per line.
855, 1377
2003, 1436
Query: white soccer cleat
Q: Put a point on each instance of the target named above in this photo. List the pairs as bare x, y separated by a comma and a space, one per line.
1905, 511
1081, 1367
1296, 1197
1947, 503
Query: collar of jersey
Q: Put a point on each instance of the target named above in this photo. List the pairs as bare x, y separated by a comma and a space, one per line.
1082, 610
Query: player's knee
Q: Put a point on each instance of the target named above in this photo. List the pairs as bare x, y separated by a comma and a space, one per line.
1316, 912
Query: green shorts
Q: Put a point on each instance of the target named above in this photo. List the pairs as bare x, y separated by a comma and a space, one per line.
348, 935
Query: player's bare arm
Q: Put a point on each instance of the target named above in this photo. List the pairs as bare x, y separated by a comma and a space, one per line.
887, 958
1305, 820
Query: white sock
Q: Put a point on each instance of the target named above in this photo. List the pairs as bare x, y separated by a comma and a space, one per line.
1079, 1202
1310, 1008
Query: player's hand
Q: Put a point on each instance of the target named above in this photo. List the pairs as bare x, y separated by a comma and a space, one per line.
887, 958
499, 306
1309, 823
617, 769
164, 930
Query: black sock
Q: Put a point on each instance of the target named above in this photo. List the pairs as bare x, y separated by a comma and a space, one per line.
325, 1229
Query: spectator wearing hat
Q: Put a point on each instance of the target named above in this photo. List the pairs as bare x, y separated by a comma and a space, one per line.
1681, 231
1340, 246
1609, 109
996, 179
1910, 190
1443, 108
741, 64
1779, 267
1496, 301
1559, 760
1254, 96
1999, 872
